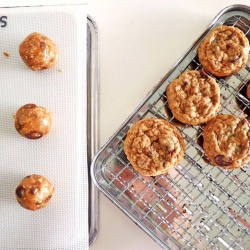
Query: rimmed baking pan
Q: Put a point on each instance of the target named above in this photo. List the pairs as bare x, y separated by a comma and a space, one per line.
195, 205
70, 92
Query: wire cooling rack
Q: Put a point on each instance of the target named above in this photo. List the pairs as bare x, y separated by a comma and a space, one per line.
196, 205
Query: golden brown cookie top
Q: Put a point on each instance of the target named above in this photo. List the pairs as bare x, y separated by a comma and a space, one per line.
34, 192
227, 141
224, 51
153, 146
38, 51
194, 97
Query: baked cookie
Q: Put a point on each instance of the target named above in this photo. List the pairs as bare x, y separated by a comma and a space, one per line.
34, 192
153, 146
194, 97
38, 51
224, 51
227, 141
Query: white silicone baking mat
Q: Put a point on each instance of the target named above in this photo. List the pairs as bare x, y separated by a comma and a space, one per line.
61, 155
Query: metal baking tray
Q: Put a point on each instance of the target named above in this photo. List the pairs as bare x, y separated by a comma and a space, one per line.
93, 121
196, 205
92, 118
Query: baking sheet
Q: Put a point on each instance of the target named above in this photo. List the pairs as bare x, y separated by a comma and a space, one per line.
62, 155
93, 122
195, 205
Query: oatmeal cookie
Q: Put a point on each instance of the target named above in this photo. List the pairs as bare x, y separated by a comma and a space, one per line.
227, 141
224, 51
194, 97
153, 146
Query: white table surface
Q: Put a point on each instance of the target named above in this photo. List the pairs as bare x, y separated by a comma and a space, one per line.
139, 40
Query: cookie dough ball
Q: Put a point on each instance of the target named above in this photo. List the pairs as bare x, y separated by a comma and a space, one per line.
32, 121
34, 192
154, 146
38, 51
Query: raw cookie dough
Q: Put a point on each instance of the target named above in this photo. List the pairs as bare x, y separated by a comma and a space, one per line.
34, 192
32, 121
38, 51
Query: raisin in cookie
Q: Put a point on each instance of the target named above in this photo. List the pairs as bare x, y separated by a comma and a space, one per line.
248, 91
194, 97
153, 146
224, 51
227, 141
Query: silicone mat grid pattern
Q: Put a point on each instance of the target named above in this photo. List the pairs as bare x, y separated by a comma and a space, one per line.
196, 205
61, 156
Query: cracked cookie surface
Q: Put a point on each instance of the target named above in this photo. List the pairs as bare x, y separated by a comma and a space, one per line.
153, 146
227, 141
224, 51
194, 97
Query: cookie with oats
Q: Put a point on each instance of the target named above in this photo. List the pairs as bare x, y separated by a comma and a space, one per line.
224, 51
153, 146
227, 141
34, 192
194, 97
38, 51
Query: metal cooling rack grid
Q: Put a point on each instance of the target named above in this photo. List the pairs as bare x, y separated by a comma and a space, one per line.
227, 186
196, 205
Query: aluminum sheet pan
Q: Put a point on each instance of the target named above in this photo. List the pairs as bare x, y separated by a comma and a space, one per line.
92, 122
91, 115
195, 205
